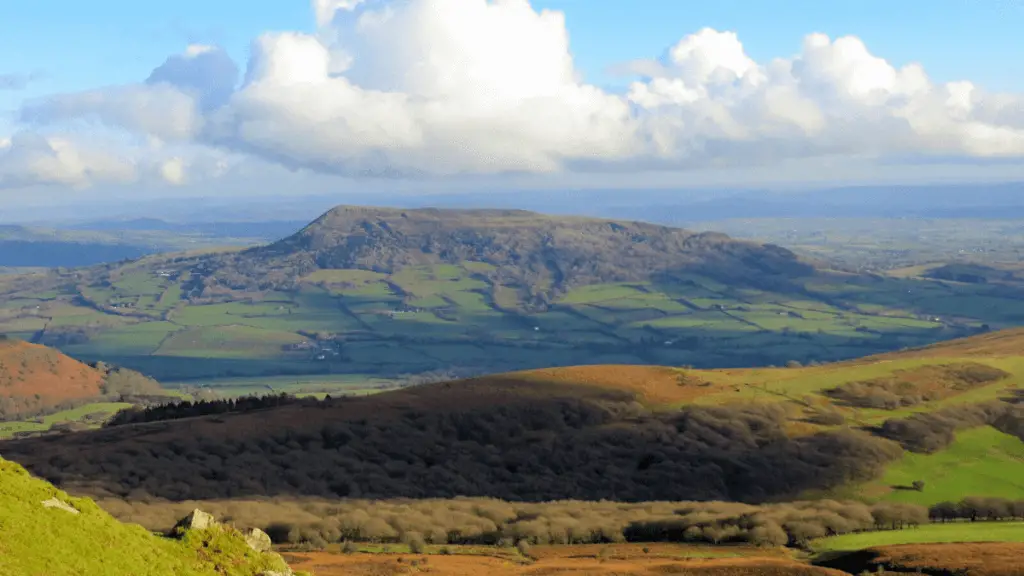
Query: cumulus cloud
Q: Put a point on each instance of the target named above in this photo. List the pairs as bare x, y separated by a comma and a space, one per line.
442, 87
29, 159
169, 105
324, 10
206, 73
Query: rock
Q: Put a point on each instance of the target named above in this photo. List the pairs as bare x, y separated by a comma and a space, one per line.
257, 539
275, 573
197, 520
55, 503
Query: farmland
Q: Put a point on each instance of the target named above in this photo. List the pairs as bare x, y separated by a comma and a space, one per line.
928, 534
89, 416
428, 318
440, 291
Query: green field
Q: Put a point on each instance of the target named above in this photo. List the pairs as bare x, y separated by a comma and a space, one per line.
435, 317
925, 534
482, 292
981, 462
91, 414
302, 385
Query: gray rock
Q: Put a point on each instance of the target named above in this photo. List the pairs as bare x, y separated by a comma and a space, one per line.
58, 504
196, 520
257, 539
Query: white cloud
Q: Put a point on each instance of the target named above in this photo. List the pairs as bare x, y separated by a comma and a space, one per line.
30, 159
206, 73
173, 171
169, 105
324, 10
442, 87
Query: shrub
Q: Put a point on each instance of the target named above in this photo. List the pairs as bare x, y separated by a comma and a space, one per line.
523, 547
415, 542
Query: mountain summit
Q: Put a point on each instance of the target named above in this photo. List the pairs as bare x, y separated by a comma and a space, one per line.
536, 253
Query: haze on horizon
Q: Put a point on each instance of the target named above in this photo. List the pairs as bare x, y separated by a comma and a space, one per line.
428, 96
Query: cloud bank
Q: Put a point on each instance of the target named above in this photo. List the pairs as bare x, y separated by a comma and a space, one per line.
435, 88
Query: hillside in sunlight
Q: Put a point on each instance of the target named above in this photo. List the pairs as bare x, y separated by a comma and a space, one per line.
627, 433
43, 530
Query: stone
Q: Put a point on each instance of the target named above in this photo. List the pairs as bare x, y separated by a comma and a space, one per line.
55, 503
196, 520
257, 539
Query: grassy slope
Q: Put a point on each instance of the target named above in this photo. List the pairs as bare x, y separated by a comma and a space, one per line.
926, 534
90, 414
39, 541
982, 462
28, 369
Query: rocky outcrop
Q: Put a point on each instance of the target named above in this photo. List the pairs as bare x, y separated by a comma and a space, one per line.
257, 539
196, 520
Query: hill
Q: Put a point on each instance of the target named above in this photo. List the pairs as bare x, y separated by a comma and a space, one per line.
41, 388
36, 378
616, 432
45, 531
375, 293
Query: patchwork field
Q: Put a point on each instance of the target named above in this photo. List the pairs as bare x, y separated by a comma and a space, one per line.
440, 317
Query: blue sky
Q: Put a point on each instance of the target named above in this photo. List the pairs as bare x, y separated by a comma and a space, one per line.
68, 47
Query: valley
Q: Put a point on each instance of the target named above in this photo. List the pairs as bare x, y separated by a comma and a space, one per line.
475, 292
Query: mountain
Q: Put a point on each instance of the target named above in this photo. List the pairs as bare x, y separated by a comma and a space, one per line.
538, 256
384, 292
36, 380
45, 531
623, 433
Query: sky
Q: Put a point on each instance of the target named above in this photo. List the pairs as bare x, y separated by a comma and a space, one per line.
118, 98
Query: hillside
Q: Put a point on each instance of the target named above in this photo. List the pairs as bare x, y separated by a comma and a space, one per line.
374, 293
615, 432
537, 257
42, 389
45, 531
34, 378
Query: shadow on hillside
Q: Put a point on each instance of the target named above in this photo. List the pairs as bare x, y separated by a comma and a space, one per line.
497, 438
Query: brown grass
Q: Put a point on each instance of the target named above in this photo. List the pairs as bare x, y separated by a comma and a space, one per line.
623, 560
651, 384
29, 369
992, 345
982, 559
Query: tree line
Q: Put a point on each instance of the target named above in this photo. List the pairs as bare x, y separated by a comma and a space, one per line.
492, 522
978, 508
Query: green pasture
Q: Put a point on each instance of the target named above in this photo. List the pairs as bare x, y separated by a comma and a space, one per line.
981, 462
925, 534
